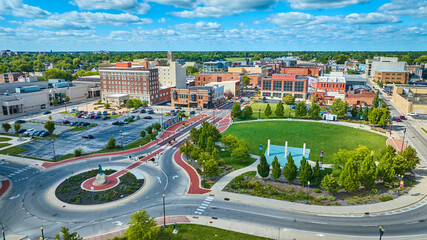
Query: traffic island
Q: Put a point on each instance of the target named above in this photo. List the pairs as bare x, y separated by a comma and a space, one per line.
72, 190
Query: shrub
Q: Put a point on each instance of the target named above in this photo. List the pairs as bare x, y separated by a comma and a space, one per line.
331, 198
374, 191
78, 152
385, 198
316, 190
320, 197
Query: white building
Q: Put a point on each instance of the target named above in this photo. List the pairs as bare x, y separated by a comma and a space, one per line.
232, 86
172, 75
382, 62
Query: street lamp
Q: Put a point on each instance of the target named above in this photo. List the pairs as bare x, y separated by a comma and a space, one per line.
2, 230
53, 148
308, 190
164, 215
400, 177
259, 113
41, 228
381, 230
121, 138
403, 140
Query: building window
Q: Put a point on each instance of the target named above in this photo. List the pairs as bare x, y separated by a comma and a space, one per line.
277, 85
266, 94
277, 95
266, 85
299, 86
298, 95
287, 86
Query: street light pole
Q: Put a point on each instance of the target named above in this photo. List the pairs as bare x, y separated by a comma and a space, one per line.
54, 154
121, 138
164, 210
41, 228
259, 114
308, 190
403, 140
2, 230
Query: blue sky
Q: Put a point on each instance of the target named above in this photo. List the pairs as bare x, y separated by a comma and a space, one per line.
218, 25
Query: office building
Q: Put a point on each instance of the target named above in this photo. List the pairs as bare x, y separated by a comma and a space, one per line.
9, 77
216, 66
392, 76
410, 99
280, 85
202, 79
198, 97
372, 65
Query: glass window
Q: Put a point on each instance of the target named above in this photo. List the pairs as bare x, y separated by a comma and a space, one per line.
299, 86
266, 94
266, 85
277, 95
277, 85
287, 86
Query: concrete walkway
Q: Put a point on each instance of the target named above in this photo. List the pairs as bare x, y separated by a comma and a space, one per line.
14, 141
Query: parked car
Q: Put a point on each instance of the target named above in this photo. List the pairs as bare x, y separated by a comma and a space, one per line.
113, 113
91, 117
20, 121
22, 130
151, 111
36, 133
104, 113
106, 118
44, 134
73, 110
192, 112
173, 114
167, 114
142, 111
29, 131
118, 123
402, 117
85, 124
47, 112
97, 117
412, 114
398, 120
134, 111
148, 117
87, 137
177, 107
65, 122
136, 118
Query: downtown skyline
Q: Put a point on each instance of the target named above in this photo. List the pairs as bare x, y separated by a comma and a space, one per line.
215, 25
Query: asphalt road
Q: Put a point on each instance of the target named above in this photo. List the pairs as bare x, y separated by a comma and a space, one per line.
26, 208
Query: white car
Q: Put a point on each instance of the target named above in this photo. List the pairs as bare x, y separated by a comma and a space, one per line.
412, 114
29, 131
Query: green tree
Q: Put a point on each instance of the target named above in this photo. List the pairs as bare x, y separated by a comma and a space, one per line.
301, 109
111, 143
290, 170
410, 157
267, 111
314, 111
186, 148
107, 105
359, 113
276, 172
149, 129
6, 126
50, 126
210, 145
38, 65
230, 141
376, 101
289, 99
195, 151
317, 175
190, 70
129, 104
215, 154
157, 126
55, 102
66, 235
339, 108
263, 167
67, 99
16, 127
55, 73
211, 168
78, 152
236, 111
247, 112
349, 176
246, 80
354, 112
383, 104
379, 116
143, 133
240, 153
367, 172
279, 109
142, 227
194, 135
365, 114
329, 184
304, 172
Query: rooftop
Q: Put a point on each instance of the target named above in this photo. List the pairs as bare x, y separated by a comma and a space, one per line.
214, 73
391, 70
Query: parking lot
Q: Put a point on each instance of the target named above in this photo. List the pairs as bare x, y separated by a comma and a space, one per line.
70, 140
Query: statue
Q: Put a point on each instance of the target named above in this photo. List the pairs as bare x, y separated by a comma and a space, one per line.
100, 179
100, 169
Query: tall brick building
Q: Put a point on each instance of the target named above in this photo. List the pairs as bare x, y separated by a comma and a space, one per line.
280, 85
302, 71
202, 79
392, 75
124, 81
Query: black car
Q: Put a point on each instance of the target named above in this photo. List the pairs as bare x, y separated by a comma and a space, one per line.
22, 130
106, 117
20, 121
118, 123
192, 112
177, 107
151, 112
148, 117
88, 137
47, 112
143, 111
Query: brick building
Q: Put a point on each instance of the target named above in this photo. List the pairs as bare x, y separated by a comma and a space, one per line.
130, 82
280, 85
330, 87
202, 79
197, 97
392, 75
360, 95
302, 71
9, 77
255, 79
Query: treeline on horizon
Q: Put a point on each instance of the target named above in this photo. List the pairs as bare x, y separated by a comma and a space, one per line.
68, 61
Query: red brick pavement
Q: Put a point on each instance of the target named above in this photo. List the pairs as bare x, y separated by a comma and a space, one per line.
5, 184
396, 143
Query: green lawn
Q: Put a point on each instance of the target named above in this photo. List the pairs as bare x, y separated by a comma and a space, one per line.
235, 164
2, 145
83, 127
263, 106
200, 232
5, 139
234, 59
318, 137
16, 150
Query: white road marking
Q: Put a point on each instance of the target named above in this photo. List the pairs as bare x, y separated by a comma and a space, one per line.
118, 223
13, 197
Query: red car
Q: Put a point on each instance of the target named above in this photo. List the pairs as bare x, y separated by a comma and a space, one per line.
398, 120
91, 117
402, 117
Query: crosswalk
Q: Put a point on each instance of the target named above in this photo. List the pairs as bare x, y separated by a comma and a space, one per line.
202, 207
15, 174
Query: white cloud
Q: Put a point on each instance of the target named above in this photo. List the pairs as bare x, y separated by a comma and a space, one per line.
86, 20
162, 20
189, 4
19, 9
124, 5
198, 26
414, 8
323, 4
299, 19
218, 8
370, 18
